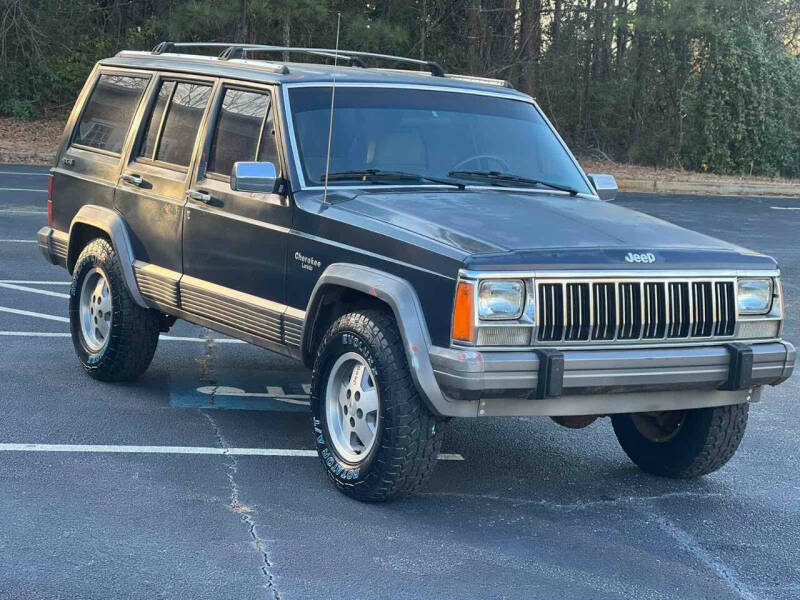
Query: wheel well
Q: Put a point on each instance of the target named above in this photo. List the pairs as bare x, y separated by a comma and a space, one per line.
335, 301
80, 235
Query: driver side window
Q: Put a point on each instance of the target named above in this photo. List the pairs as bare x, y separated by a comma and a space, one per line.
244, 131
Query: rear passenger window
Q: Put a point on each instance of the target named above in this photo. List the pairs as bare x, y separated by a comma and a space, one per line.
174, 122
244, 131
109, 112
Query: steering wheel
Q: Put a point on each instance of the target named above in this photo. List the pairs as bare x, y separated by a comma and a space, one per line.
504, 166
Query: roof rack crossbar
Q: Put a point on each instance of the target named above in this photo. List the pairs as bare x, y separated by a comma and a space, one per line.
353, 56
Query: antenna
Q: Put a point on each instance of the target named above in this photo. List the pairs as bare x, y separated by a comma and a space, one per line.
333, 96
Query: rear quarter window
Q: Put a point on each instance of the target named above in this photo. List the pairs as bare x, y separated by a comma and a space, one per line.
109, 112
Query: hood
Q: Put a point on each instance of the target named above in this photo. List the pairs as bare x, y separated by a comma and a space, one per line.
524, 230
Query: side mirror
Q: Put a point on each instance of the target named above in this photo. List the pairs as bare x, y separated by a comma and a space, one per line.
254, 177
605, 186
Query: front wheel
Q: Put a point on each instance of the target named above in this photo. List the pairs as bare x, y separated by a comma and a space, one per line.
682, 444
374, 434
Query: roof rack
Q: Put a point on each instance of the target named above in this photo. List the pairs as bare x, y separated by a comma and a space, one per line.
353, 56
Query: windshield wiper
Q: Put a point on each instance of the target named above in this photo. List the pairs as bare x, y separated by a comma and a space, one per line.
379, 175
497, 176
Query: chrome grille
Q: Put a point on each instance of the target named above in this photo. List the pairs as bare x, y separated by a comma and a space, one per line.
629, 310
604, 310
578, 312
726, 308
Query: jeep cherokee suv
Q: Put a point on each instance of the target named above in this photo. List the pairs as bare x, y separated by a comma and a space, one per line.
424, 242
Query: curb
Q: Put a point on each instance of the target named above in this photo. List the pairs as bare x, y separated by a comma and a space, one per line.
710, 188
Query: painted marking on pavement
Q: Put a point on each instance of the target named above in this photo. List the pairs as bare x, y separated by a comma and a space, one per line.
42, 334
726, 573
785, 207
27, 313
32, 282
275, 392
174, 338
22, 288
14, 211
91, 448
169, 338
37, 190
42, 174
18, 241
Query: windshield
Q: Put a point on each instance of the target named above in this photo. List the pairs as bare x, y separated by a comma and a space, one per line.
446, 135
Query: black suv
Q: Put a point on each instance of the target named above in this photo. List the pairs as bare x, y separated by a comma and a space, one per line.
425, 242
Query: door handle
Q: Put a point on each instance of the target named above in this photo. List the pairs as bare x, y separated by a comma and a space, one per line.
199, 196
132, 179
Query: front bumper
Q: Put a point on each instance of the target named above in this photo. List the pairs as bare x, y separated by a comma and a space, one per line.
578, 382
53, 245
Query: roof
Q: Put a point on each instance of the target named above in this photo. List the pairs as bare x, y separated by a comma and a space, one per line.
293, 72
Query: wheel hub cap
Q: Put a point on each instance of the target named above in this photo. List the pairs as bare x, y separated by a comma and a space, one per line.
95, 310
661, 426
351, 407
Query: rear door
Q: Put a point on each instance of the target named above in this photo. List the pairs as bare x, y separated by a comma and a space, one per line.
89, 164
152, 185
238, 239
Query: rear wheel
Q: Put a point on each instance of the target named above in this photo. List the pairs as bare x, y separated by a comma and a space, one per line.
684, 443
114, 338
374, 434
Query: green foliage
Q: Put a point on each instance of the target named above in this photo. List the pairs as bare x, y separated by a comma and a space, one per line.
743, 106
21, 110
710, 85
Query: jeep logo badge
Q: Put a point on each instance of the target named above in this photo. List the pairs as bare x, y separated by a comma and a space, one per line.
640, 257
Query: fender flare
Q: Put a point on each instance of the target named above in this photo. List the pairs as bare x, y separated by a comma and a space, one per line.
401, 297
113, 224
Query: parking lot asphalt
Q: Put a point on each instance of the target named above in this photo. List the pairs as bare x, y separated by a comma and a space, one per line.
532, 511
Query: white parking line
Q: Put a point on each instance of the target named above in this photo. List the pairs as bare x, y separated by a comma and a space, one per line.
153, 449
14, 211
169, 338
19, 241
32, 282
22, 288
173, 338
785, 207
28, 313
42, 334
37, 190
45, 174
173, 450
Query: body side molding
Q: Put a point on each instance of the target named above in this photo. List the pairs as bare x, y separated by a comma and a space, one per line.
400, 296
112, 223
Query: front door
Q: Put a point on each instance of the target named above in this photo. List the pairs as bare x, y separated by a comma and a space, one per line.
237, 240
152, 186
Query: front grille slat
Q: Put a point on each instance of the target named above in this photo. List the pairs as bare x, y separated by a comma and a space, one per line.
626, 310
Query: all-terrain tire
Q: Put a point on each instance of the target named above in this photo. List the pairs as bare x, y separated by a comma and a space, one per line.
408, 435
134, 330
706, 440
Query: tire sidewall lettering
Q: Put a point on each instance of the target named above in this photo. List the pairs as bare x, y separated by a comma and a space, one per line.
360, 346
338, 469
89, 262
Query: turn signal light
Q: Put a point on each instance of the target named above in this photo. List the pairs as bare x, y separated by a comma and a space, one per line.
464, 313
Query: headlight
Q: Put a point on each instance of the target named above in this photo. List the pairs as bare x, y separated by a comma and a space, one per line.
501, 299
755, 296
